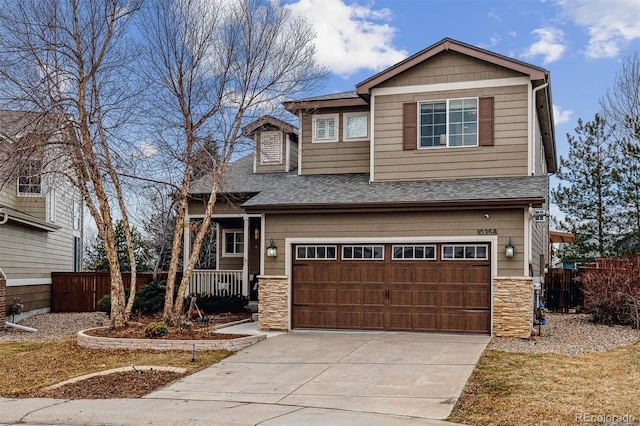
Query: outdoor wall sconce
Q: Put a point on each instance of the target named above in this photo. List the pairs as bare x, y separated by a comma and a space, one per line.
509, 249
272, 250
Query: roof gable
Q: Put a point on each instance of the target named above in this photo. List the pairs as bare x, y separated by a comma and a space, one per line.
268, 122
447, 44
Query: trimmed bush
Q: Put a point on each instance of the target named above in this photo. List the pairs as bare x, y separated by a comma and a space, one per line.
104, 304
150, 298
220, 304
156, 330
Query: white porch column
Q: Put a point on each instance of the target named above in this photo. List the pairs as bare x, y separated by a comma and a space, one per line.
245, 257
186, 240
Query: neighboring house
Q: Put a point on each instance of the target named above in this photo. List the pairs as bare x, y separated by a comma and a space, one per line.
40, 216
407, 204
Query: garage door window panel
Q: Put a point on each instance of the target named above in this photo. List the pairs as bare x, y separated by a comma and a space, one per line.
464, 252
316, 253
414, 252
364, 252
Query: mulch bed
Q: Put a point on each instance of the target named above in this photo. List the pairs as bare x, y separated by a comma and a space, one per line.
194, 331
124, 384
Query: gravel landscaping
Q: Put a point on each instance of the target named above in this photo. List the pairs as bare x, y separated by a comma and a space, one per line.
54, 326
569, 334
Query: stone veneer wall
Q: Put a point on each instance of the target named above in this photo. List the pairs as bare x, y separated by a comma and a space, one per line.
512, 306
3, 303
273, 302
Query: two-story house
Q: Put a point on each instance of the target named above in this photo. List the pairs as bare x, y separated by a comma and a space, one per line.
415, 202
40, 214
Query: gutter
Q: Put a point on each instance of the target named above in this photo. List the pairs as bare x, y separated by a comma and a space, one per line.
532, 124
5, 218
395, 207
27, 220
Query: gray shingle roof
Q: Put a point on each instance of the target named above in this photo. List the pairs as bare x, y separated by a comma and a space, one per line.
290, 189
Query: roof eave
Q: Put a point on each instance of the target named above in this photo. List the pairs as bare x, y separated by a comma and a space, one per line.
395, 206
295, 106
28, 220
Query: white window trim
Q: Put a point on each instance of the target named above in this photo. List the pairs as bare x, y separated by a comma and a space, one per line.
224, 243
335, 117
345, 117
447, 123
278, 159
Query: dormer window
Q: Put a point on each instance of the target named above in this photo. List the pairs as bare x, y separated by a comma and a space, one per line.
271, 147
30, 180
325, 128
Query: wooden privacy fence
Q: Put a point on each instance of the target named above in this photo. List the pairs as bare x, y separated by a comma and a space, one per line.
562, 290
81, 291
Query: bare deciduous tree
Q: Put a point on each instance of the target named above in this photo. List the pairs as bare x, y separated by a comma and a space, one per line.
69, 59
218, 63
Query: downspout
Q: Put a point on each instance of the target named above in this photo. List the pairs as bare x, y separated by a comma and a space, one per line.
5, 218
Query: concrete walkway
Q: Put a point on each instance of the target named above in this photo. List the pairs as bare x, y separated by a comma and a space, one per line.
320, 378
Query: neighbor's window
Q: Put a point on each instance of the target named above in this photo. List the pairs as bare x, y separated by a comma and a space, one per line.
271, 147
464, 251
448, 123
233, 243
29, 180
356, 126
325, 128
77, 216
368, 252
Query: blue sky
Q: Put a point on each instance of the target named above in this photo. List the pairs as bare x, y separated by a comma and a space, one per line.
581, 42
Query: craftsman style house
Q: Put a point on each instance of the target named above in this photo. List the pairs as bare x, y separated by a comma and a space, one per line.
40, 218
416, 202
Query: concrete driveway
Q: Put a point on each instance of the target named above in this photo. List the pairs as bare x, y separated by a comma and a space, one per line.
406, 375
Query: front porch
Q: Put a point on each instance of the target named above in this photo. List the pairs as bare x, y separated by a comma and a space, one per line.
231, 255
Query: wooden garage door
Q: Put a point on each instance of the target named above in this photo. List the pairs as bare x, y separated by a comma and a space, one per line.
424, 287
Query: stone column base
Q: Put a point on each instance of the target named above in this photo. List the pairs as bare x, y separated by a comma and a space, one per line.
273, 302
512, 306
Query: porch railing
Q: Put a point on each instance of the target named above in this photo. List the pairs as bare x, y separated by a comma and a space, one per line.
217, 283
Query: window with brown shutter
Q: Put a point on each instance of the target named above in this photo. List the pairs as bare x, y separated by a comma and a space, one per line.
410, 126
485, 121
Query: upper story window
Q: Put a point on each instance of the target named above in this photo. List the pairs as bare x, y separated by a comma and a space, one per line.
325, 128
448, 123
30, 180
356, 126
271, 147
233, 243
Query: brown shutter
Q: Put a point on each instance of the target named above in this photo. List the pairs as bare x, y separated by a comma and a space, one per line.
485, 124
409, 126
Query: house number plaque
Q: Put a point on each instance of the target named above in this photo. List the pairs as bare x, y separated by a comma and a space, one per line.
493, 231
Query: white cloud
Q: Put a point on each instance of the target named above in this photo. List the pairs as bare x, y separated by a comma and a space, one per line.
550, 46
561, 115
350, 37
610, 23
147, 149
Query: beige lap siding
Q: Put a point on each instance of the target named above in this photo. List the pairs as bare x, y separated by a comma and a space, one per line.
508, 223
